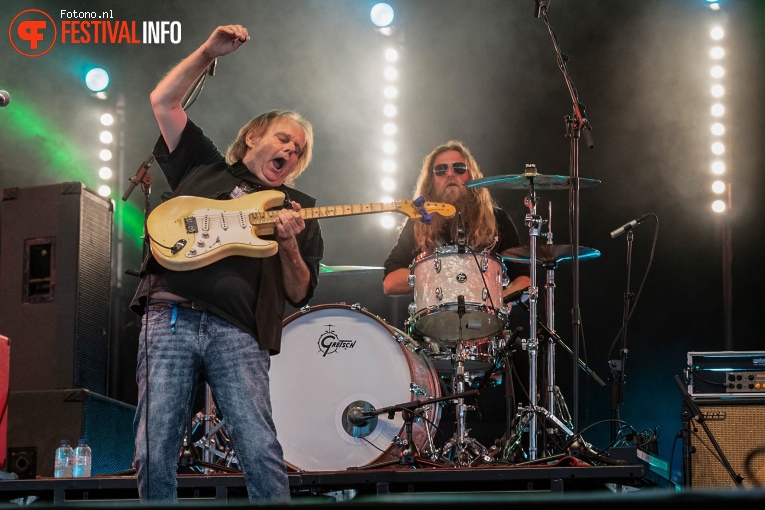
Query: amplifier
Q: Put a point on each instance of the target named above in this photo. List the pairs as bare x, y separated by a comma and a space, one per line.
726, 373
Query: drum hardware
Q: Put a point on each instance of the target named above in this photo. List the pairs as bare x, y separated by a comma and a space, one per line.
410, 456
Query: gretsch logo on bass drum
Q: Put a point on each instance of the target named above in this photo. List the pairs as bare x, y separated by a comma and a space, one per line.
461, 278
329, 342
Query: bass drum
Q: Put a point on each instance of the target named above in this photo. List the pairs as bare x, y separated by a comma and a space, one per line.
335, 358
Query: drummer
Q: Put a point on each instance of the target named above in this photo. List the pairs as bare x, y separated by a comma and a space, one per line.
484, 226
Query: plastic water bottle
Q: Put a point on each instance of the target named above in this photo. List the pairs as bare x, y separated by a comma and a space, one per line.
82, 460
62, 467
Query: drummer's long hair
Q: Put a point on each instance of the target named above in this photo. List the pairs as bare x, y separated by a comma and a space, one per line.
481, 224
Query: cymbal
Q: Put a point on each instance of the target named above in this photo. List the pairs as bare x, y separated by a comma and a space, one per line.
323, 268
525, 180
549, 254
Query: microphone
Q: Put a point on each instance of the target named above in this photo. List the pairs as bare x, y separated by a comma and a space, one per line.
629, 226
359, 417
5, 98
461, 241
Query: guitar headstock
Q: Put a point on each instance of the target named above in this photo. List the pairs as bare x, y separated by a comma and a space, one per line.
419, 209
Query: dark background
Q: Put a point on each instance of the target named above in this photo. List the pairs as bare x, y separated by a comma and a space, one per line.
483, 72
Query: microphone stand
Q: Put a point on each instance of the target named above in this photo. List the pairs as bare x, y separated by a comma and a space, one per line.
696, 414
409, 456
575, 125
618, 367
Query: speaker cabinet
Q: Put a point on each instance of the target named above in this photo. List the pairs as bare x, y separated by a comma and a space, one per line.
736, 425
55, 260
5, 356
39, 420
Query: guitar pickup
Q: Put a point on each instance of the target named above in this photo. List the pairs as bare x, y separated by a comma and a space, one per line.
191, 225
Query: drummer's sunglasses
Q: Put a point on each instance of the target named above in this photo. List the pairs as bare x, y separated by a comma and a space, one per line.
458, 168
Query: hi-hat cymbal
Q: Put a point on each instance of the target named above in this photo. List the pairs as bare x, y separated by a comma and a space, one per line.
525, 181
323, 268
549, 254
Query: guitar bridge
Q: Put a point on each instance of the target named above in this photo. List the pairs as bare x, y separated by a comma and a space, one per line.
191, 225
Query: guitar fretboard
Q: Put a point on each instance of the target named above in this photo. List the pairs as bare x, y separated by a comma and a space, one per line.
328, 211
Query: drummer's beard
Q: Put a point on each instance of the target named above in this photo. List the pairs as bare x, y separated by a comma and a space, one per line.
445, 229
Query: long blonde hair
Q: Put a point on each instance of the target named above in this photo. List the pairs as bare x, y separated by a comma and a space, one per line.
482, 224
259, 125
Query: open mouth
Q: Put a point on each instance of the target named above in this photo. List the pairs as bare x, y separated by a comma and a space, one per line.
279, 163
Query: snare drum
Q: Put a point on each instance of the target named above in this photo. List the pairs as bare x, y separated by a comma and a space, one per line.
334, 358
439, 281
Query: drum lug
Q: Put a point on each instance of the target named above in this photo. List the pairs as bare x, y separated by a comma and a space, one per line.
485, 294
415, 388
485, 263
439, 293
356, 307
305, 309
412, 309
437, 264
410, 280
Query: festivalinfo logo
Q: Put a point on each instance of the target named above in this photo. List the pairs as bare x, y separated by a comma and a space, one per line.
34, 32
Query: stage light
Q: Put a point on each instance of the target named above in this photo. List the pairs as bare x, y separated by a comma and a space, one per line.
390, 92
105, 155
718, 148
389, 147
390, 110
717, 90
388, 184
104, 190
389, 128
105, 173
106, 137
391, 73
717, 33
381, 15
718, 110
389, 166
97, 79
717, 72
107, 119
391, 55
716, 53
718, 187
387, 221
718, 206
718, 129
718, 167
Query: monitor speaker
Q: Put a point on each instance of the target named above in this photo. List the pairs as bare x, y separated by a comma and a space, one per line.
56, 267
39, 420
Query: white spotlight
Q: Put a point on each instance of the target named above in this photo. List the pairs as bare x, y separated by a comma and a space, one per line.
391, 73
105, 155
391, 55
718, 148
104, 190
381, 15
387, 221
718, 168
389, 147
105, 173
389, 166
718, 129
390, 92
388, 184
718, 206
717, 91
107, 119
718, 110
718, 187
717, 33
389, 128
390, 110
105, 137
716, 53
717, 72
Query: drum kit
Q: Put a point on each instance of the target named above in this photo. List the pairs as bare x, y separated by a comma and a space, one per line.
359, 367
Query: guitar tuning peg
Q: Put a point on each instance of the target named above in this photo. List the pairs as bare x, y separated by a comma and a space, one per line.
419, 201
426, 217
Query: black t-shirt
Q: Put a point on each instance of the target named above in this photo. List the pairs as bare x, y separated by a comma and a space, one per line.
405, 251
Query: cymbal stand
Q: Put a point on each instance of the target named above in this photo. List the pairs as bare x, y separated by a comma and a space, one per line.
554, 401
534, 222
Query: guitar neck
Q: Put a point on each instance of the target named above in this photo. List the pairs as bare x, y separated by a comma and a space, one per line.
329, 211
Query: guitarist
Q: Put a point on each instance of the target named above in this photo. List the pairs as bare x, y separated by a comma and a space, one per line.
222, 322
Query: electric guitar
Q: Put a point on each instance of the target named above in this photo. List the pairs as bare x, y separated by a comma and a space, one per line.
187, 233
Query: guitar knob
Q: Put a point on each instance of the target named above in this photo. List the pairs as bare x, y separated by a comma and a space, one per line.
205, 235
201, 244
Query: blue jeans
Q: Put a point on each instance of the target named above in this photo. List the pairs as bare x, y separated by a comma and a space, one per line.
203, 345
